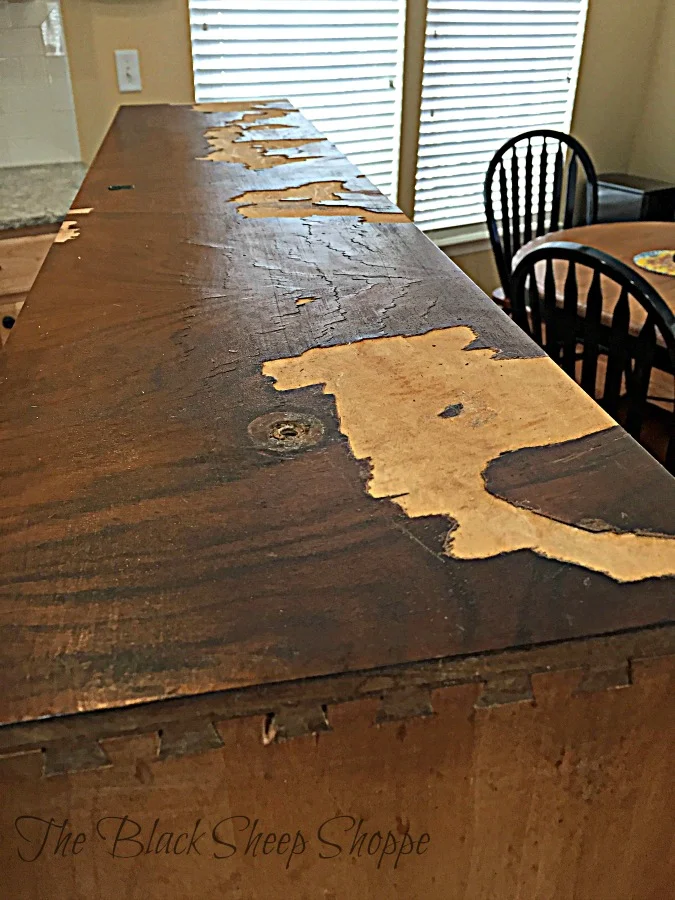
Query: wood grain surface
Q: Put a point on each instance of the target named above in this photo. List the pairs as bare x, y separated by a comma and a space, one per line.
154, 545
565, 794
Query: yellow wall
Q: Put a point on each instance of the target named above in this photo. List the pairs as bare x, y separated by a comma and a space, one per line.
653, 151
618, 69
158, 29
616, 61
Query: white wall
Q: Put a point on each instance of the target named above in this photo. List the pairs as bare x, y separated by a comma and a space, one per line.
37, 118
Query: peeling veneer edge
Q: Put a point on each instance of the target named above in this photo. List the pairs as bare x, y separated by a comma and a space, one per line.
232, 134
67, 232
623, 557
318, 198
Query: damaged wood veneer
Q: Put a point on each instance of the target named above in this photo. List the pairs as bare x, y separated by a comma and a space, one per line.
69, 229
262, 563
392, 398
205, 615
252, 141
319, 198
186, 726
258, 137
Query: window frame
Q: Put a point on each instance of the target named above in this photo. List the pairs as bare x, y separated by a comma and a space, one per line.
462, 238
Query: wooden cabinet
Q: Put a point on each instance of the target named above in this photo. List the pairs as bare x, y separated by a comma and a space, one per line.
317, 578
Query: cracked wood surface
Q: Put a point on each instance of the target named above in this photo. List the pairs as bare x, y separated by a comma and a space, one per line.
150, 549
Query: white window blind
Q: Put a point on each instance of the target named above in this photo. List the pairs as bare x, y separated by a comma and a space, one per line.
492, 69
338, 61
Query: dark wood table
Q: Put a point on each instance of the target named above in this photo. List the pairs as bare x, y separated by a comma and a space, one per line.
273, 467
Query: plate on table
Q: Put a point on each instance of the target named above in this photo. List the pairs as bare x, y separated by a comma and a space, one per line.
660, 261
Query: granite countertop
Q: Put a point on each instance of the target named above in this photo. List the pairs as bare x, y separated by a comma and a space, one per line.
38, 195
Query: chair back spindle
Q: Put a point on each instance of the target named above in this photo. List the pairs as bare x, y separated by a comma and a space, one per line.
536, 183
603, 323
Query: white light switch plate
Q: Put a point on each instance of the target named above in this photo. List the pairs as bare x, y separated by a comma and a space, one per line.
128, 71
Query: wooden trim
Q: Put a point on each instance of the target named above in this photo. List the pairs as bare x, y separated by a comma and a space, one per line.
227, 534
411, 101
495, 671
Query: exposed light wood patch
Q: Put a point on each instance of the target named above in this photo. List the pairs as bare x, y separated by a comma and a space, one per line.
390, 394
67, 232
303, 301
255, 154
235, 106
248, 139
318, 198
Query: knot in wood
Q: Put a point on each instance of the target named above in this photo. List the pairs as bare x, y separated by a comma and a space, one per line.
285, 432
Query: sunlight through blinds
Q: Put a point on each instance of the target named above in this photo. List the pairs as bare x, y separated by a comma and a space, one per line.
338, 61
492, 69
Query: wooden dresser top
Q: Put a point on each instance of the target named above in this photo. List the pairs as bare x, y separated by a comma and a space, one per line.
257, 428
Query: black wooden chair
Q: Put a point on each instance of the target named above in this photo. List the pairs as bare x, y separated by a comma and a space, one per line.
536, 183
574, 301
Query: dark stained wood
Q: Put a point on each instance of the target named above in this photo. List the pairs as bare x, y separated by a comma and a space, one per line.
561, 481
148, 549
